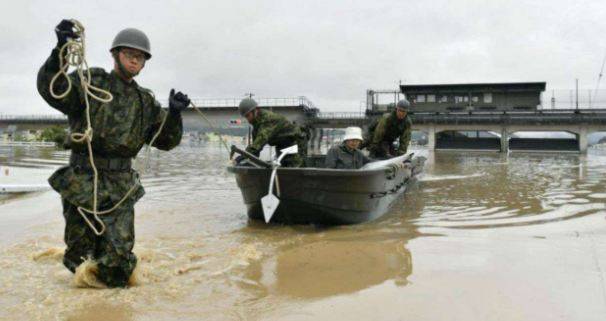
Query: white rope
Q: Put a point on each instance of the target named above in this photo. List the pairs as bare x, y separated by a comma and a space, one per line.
211, 126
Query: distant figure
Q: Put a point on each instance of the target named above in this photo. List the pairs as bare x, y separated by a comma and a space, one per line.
347, 155
383, 132
272, 129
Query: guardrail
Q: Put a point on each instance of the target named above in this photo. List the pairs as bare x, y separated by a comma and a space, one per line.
32, 117
27, 144
263, 102
529, 117
341, 115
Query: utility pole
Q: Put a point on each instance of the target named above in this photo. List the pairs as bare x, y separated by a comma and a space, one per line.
577, 93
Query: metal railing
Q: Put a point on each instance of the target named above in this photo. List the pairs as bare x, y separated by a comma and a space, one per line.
263, 102
341, 115
32, 117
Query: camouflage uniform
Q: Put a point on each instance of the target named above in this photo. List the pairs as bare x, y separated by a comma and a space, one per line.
383, 132
275, 130
341, 157
120, 129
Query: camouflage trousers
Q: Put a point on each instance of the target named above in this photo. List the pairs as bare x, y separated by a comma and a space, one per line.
112, 250
382, 151
294, 160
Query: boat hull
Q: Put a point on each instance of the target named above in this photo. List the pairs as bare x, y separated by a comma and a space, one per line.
326, 196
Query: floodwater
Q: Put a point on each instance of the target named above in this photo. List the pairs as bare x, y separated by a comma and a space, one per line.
479, 237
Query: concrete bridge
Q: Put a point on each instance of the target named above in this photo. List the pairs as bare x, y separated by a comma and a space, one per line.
440, 128
503, 125
221, 112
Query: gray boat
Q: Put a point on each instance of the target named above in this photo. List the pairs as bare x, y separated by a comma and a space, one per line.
315, 195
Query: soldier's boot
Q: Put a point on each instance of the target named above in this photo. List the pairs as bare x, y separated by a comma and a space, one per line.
116, 271
80, 240
115, 259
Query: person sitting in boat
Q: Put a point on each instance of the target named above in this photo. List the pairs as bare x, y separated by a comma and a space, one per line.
272, 129
347, 155
382, 133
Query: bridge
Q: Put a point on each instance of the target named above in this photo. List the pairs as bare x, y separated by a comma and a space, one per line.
440, 128
222, 113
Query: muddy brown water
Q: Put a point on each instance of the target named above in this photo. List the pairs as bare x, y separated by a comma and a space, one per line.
479, 237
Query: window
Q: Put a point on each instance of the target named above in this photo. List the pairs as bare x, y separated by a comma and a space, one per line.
420, 98
443, 99
431, 98
488, 98
475, 99
461, 99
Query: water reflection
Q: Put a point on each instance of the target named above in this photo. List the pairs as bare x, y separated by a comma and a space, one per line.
101, 311
201, 257
328, 268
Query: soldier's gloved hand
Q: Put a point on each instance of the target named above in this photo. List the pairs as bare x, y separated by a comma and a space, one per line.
177, 102
64, 31
239, 159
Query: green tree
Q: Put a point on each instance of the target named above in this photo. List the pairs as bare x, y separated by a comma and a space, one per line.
55, 134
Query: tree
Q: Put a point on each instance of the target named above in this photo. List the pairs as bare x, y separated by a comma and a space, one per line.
55, 134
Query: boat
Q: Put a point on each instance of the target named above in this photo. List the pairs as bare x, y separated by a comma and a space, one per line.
322, 196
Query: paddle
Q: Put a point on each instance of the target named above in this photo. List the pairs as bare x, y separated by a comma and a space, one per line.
270, 202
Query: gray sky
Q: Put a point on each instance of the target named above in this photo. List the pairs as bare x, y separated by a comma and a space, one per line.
329, 51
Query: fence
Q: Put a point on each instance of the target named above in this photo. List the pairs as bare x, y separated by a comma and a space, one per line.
263, 102
572, 99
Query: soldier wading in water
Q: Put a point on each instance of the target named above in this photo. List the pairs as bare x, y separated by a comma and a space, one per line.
121, 127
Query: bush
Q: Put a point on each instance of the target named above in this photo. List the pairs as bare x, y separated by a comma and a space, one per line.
55, 134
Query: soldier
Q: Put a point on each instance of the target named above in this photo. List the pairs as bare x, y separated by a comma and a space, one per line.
273, 129
347, 155
383, 132
120, 129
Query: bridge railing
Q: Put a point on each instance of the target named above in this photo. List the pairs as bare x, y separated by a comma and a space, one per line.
341, 115
59, 117
263, 102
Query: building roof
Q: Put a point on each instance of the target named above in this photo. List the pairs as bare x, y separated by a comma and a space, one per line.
485, 87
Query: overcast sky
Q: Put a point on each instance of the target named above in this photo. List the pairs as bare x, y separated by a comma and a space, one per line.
329, 51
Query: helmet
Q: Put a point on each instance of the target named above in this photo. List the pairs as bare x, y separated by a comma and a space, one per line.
132, 38
403, 104
247, 105
353, 133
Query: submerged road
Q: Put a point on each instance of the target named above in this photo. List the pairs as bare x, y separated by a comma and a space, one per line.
479, 237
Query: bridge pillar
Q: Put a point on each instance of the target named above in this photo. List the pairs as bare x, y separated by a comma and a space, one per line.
431, 138
504, 140
318, 145
311, 141
582, 139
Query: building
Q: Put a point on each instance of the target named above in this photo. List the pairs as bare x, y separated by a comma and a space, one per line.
474, 97
444, 98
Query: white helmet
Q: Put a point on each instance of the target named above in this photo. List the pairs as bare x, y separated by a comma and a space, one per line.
353, 133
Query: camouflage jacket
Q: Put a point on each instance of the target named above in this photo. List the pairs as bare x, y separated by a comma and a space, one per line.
387, 129
120, 129
275, 130
341, 157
